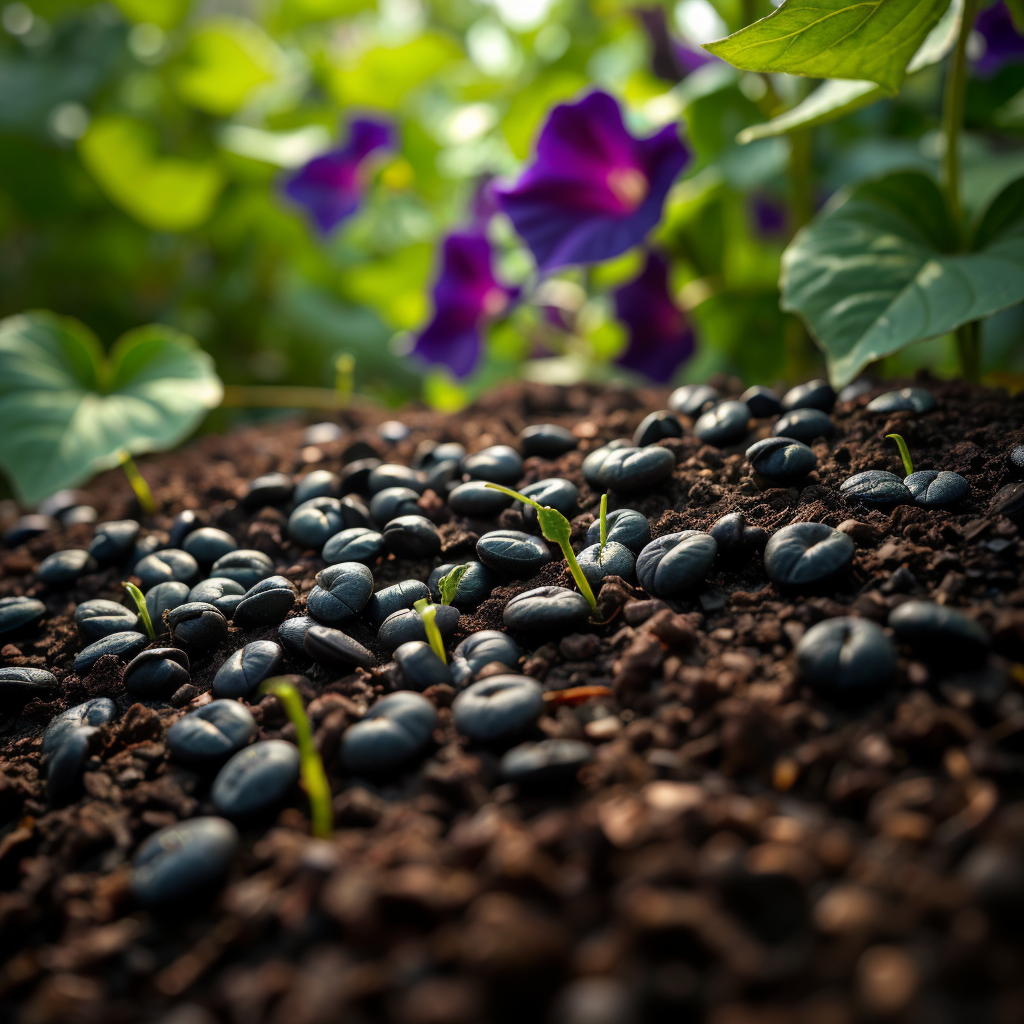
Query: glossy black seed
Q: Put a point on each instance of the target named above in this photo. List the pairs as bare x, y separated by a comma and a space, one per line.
737, 540
356, 544
92, 713
265, 604
815, 394
256, 780
389, 475
933, 489
401, 627
676, 563
613, 560
113, 541
876, 487
429, 455
62, 568
804, 425
247, 668
499, 464
245, 567
559, 494
156, 673
144, 546
546, 764
393, 502
98, 618
207, 544
78, 515
335, 649
626, 470
548, 440
475, 586
846, 657
855, 390
22, 684
394, 599
593, 464
314, 522
211, 734
123, 645
1009, 502
60, 502
26, 528
269, 489
292, 633
224, 594
322, 433
625, 526
19, 615
183, 861
185, 522
1016, 457
321, 483
162, 598
355, 477
355, 513
393, 431
550, 611
486, 647
512, 552
197, 625
66, 763
442, 477
474, 498
395, 732
168, 566
656, 426
498, 710
726, 424
341, 593
412, 537
918, 400
805, 554
761, 402
420, 667
781, 460
693, 399
939, 633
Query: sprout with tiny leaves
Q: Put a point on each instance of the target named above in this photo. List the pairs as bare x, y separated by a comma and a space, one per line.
908, 465
140, 604
448, 585
428, 613
604, 520
138, 484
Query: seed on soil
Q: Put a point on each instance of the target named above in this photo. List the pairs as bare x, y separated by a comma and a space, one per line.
443, 478
269, 489
185, 522
512, 553
207, 544
676, 563
498, 464
322, 433
315, 521
393, 599
656, 426
224, 594
162, 598
393, 502
62, 568
876, 487
388, 475
498, 710
292, 634
846, 658
486, 647
613, 559
762, 402
212, 733
737, 540
265, 604
123, 645
19, 615
27, 528
78, 515
807, 554
693, 399
197, 625
626, 470
355, 476
545, 764
98, 618
393, 431
246, 668
335, 649
938, 633
429, 454
95, 712
412, 537
554, 492
1016, 457
356, 544
474, 587
933, 488
321, 483
725, 424
814, 394
66, 762
420, 667
170, 565
143, 546
244, 566
340, 594
547, 440
395, 732
547, 611
917, 400
476, 500
594, 462
1009, 502
805, 425
256, 780
781, 460
402, 626
113, 540
625, 526
157, 673
19, 684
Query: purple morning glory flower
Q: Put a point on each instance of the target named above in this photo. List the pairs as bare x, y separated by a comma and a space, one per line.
466, 296
593, 190
671, 59
660, 338
331, 185
769, 214
1003, 44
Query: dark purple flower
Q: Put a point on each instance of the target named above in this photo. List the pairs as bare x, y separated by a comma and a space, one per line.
484, 204
660, 338
593, 190
466, 296
331, 185
1003, 43
671, 59
769, 214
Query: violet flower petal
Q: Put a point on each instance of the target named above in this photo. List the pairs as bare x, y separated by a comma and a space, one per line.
1003, 44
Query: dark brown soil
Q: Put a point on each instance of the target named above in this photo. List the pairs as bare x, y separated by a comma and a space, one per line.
739, 851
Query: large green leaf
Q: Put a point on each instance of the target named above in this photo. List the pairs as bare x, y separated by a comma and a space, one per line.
880, 270
67, 411
1016, 8
860, 39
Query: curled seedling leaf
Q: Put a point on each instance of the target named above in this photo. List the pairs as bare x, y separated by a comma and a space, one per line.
140, 605
448, 584
604, 520
908, 465
138, 484
428, 613
314, 778
555, 528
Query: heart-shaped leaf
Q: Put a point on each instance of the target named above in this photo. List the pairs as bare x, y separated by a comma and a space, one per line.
67, 411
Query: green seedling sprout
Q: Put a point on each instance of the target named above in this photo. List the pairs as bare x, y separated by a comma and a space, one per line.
428, 613
448, 585
555, 528
604, 520
138, 484
908, 466
314, 778
344, 372
140, 604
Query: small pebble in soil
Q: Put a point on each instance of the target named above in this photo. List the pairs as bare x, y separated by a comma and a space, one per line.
725, 424
676, 563
162, 598
197, 625
113, 541
321, 483
292, 633
95, 712
157, 673
546, 764
388, 475
627, 470
877, 487
122, 645
395, 732
245, 566
265, 604
211, 734
656, 426
315, 521
394, 599
807, 554
804, 425
498, 710
1016, 457
246, 668
183, 861
475, 586
781, 460
555, 492
761, 401
737, 540
933, 488
939, 633
613, 559
18, 685
476, 500
340, 594
27, 528
595, 460
625, 526
486, 647
224, 594
66, 763
512, 553
420, 667
167, 566
393, 502
334, 649
498, 464
548, 440
917, 400
269, 489
98, 618
401, 627
847, 658
21, 615
207, 544
412, 537
62, 568
693, 399
814, 394
356, 544
256, 780
548, 611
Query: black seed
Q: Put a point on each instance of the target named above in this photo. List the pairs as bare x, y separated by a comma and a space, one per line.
393, 599
22, 684
224, 594
499, 464
292, 633
95, 712
393, 431
355, 477
270, 489
395, 732
247, 668
322, 433
876, 487
693, 399
498, 710
855, 390
613, 560
167, 566
656, 426
441, 478
19, 615
486, 647
815, 394
393, 502
98, 618
26, 528
805, 425
256, 780
157, 673
197, 625
676, 563
79, 515
162, 598
626, 470
123, 645
551, 611
933, 489
559, 494
356, 544
475, 586
805, 554
321, 483
1009, 502
113, 541
939, 633
917, 400
781, 460
212, 733
547, 764
726, 424
512, 553
341, 593
475, 498
625, 526
401, 627
737, 541
335, 649
185, 522
546, 440
593, 464
846, 657
246, 567
420, 667
66, 763
265, 604
60, 502
207, 544
429, 455
761, 401
388, 475
144, 546
315, 521
412, 537
62, 568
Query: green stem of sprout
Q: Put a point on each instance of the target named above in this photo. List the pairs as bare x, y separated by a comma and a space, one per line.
908, 466
604, 520
138, 484
555, 528
448, 585
428, 613
140, 605
314, 778
344, 368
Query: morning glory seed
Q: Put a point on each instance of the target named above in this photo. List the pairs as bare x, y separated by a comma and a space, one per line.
612, 560
207, 544
545, 764
512, 553
113, 541
939, 633
401, 627
762, 402
315, 521
246, 668
475, 499
846, 657
781, 460
185, 522
546, 440
334, 649
265, 604
626, 470
168, 566
256, 780
157, 673
420, 667
321, 483
804, 425
693, 399
122, 645
737, 540
394, 599
356, 544
498, 464
672, 565
559, 494
395, 732
292, 634
66, 763
211, 734
498, 710
486, 647
93, 713
876, 487
62, 568
341, 593
269, 489
594, 462
22, 684
197, 626
815, 394
355, 476
224, 594
27, 528
916, 400
625, 526
412, 537
933, 489
98, 618
19, 615
656, 426
162, 598
551, 611
245, 566
724, 425
475, 586
388, 475
393, 502
805, 554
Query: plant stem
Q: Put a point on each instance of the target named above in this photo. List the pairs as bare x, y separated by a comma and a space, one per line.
604, 520
140, 605
138, 484
953, 113
968, 343
908, 465
428, 613
344, 368
281, 396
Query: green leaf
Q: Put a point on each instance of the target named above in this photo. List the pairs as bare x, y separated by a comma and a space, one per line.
66, 412
1016, 9
165, 13
881, 269
859, 39
448, 585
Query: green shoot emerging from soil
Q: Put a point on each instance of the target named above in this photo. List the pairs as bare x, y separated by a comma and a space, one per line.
314, 778
604, 520
908, 466
138, 483
449, 585
555, 528
140, 604
344, 374
428, 613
